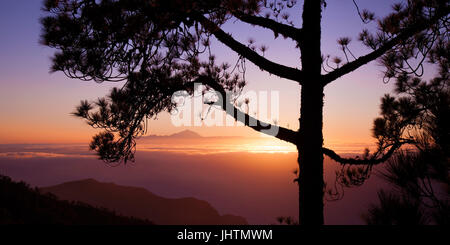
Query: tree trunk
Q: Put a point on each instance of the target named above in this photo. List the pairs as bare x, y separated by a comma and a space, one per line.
310, 157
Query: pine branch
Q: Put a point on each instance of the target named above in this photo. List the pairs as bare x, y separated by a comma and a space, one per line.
277, 27
355, 161
403, 35
246, 52
249, 121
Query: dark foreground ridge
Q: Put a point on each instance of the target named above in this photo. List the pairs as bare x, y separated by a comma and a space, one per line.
20, 204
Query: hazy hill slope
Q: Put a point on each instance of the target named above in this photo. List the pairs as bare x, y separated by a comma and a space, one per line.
20, 204
139, 202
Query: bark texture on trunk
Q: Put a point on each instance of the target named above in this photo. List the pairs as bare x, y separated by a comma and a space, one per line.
310, 142
310, 157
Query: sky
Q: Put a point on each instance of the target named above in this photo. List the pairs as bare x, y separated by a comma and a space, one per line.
35, 105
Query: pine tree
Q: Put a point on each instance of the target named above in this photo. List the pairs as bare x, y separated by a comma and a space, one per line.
159, 47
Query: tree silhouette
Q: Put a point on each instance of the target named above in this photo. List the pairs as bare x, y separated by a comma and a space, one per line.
420, 176
159, 47
420, 114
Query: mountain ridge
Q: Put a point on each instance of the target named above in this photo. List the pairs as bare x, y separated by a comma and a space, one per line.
141, 203
182, 134
186, 134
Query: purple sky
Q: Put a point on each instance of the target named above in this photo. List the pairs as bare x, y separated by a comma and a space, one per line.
35, 105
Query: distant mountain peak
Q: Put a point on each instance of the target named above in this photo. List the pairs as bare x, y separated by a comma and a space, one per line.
185, 134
